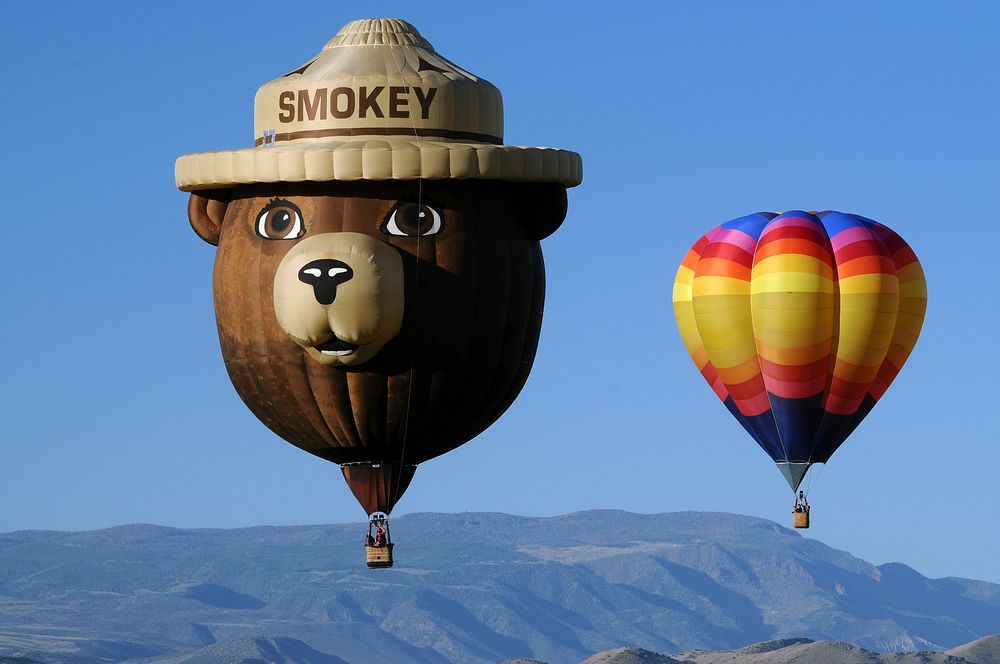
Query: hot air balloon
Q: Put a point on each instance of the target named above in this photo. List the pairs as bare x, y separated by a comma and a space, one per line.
799, 322
379, 280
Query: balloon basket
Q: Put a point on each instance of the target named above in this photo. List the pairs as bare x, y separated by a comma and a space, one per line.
378, 557
800, 519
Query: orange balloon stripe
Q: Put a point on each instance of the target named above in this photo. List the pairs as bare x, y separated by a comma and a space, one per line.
784, 246
800, 372
858, 373
795, 356
744, 371
865, 265
700, 358
718, 267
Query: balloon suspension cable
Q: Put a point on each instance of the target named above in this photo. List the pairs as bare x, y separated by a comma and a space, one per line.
814, 476
416, 284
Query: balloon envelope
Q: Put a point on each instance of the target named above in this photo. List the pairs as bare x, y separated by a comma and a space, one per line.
799, 322
379, 282
472, 300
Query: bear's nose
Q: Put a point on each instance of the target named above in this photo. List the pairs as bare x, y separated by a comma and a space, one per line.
324, 275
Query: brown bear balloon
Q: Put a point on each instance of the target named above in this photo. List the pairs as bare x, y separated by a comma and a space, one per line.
379, 280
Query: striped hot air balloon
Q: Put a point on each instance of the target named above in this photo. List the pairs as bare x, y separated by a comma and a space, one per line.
799, 322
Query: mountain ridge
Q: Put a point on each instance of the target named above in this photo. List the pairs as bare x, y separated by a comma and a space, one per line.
470, 587
778, 651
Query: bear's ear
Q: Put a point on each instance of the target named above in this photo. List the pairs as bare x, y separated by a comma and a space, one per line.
206, 210
543, 207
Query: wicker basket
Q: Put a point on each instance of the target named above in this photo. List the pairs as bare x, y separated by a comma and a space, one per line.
800, 519
379, 557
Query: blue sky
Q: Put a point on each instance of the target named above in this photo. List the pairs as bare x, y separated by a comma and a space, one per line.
116, 407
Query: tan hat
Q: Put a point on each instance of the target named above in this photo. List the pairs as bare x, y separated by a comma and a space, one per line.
377, 103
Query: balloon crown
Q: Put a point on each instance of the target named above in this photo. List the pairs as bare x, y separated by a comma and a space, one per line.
378, 32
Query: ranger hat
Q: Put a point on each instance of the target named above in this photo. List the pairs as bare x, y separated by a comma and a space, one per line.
377, 103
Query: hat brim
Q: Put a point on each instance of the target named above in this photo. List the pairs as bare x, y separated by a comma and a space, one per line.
367, 158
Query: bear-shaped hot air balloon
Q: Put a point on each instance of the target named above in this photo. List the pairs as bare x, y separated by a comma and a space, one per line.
379, 280
799, 322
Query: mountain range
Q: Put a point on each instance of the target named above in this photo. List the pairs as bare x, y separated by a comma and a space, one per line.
474, 587
780, 651
792, 651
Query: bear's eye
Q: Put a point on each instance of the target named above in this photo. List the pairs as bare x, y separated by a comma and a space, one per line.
280, 220
412, 220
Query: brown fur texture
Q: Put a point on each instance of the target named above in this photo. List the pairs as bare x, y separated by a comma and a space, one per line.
472, 310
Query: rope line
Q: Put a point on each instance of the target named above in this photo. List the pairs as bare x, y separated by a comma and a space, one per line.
416, 287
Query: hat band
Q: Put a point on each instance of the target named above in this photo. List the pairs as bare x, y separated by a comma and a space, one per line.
380, 131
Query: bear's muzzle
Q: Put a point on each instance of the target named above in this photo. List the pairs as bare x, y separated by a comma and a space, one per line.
340, 296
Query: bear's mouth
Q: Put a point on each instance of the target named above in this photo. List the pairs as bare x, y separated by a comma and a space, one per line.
336, 347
